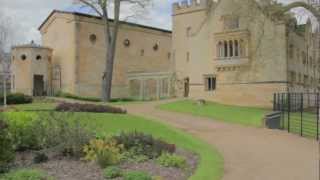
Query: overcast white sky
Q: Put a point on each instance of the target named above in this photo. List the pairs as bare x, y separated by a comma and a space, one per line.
27, 15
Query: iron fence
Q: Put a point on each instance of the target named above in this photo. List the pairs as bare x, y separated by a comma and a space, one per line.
299, 113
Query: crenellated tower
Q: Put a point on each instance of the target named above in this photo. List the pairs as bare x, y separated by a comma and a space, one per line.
186, 6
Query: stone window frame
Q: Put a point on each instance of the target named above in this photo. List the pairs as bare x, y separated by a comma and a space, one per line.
210, 82
233, 48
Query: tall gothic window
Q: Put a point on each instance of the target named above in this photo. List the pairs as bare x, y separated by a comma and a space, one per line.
291, 51
230, 48
220, 49
225, 48
236, 48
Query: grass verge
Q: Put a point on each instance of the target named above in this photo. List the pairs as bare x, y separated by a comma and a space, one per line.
249, 116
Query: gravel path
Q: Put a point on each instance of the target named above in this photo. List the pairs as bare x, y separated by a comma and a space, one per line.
249, 153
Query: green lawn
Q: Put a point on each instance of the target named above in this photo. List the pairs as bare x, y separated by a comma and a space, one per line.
211, 162
232, 114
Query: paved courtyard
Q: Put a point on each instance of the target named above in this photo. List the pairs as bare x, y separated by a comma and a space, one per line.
249, 153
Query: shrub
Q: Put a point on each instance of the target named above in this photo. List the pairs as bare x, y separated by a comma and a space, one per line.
17, 98
131, 156
137, 175
43, 130
25, 174
172, 160
104, 152
71, 96
112, 172
6, 147
143, 144
40, 158
76, 107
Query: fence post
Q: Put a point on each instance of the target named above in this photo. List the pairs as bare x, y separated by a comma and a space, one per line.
289, 104
301, 114
317, 116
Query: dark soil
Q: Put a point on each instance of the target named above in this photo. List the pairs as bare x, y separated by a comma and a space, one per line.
64, 168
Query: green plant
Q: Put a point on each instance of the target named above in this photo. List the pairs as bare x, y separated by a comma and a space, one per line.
105, 152
143, 144
72, 96
77, 107
6, 147
17, 98
137, 175
112, 172
172, 160
43, 130
26, 174
131, 156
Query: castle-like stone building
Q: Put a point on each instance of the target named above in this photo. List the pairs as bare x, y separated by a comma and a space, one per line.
234, 52
228, 51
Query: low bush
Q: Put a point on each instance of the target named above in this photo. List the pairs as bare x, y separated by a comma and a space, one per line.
76, 107
137, 175
6, 147
132, 156
112, 172
71, 96
53, 130
26, 174
17, 98
172, 160
144, 144
104, 152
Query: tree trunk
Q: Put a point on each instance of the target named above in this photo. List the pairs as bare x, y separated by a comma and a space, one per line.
111, 35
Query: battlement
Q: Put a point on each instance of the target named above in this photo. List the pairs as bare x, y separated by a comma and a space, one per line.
186, 6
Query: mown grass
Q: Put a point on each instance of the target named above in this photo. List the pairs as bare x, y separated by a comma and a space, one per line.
249, 116
211, 162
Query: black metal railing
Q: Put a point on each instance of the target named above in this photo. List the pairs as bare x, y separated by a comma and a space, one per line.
299, 113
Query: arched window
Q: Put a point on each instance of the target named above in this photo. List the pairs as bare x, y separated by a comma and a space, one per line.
230, 48
225, 49
236, 48
220, 49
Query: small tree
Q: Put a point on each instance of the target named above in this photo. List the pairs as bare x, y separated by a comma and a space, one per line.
105, 9
6, 36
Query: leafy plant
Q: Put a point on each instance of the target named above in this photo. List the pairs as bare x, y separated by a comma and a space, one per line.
77, 107
25, 174
172, 160
104, 152
112, 172
6, 147
131, 156
53, 130
143, 144
17, 98
137, 175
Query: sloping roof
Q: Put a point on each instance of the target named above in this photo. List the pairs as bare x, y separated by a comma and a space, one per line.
97, 17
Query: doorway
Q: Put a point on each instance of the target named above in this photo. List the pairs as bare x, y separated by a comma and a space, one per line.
186, 87
38, 85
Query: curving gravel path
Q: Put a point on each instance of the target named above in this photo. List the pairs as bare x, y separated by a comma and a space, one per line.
249, 153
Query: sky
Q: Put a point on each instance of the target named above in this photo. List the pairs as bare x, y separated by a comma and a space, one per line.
27, 15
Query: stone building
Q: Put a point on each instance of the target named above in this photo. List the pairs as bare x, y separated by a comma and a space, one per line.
233, 52
72, 59
228, 51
